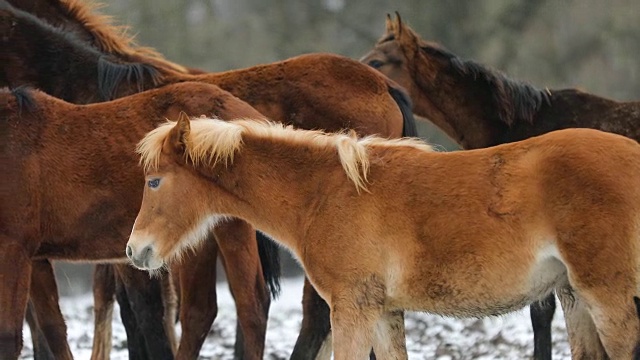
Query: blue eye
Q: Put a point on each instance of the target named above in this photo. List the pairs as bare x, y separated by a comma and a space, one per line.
376, 64
153, 183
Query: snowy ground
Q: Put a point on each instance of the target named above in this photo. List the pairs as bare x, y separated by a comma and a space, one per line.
428, 336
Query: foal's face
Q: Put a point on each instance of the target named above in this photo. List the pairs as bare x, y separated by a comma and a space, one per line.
173, 216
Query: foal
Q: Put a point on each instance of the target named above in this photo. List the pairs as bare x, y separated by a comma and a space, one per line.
479, 107
479, 243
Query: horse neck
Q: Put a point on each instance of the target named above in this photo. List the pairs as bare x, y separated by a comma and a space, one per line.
458, 104
66, 68
53, 13
274, 187
51, 62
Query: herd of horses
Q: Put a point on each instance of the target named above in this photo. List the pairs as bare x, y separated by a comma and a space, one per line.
471, 233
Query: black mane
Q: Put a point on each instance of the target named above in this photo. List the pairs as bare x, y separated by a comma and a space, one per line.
111, 75
64, 54
515, 100
24, 98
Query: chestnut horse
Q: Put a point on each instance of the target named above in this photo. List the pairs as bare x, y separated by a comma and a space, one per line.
94, 72
315, 91
465, 234
85, 214
479, 107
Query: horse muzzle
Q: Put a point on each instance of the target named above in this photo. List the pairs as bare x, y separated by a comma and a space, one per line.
144, 257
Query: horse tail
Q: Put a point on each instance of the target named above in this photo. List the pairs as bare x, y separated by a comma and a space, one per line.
24, 98
270, 259
111, 75
403, 100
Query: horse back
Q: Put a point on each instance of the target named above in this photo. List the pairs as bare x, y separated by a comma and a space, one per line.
532, 185
317, 91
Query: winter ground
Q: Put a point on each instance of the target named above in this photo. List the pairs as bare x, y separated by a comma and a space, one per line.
428, 336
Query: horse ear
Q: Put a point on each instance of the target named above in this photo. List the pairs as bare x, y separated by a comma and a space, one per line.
398, 25
388, 24
178, 136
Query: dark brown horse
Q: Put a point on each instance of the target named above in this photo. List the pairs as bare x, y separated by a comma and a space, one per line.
48, 215
320, 91
479, 107
81, 18
116, 79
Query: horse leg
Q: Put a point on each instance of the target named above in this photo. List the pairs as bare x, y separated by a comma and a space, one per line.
145, 298
239, 250
170, 305
15, 278
238, 347
615, 318
583, 336
44, 296
104, 290
136, 345
198, 299
41, 350
541, 316
390, 336
353, 324
316, 327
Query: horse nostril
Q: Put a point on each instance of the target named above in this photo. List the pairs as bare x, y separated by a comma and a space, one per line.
146, 252
129, 251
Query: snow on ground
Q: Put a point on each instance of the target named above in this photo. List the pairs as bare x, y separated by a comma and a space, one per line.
428, 336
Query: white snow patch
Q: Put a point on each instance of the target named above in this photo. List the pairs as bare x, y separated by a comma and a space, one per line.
428, 336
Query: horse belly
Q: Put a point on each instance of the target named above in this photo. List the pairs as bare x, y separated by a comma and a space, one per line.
491, 289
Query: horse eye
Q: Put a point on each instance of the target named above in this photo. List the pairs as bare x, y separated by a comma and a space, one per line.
153, 183
376, 64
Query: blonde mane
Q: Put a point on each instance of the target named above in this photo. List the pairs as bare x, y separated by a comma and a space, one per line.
212, 141
110, 38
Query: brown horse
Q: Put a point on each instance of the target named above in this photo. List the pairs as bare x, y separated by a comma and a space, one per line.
316, 91
47, 213
95, 72
104, 301
479, 243
479, 107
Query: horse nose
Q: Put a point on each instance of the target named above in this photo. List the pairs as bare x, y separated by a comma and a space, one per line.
146, 253
141, 258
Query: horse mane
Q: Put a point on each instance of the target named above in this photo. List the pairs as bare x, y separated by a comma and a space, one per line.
108, 37
24, 97
111, 75
515, 100
213, 141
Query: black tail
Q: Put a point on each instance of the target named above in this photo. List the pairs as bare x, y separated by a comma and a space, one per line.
409, 128
270, 259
